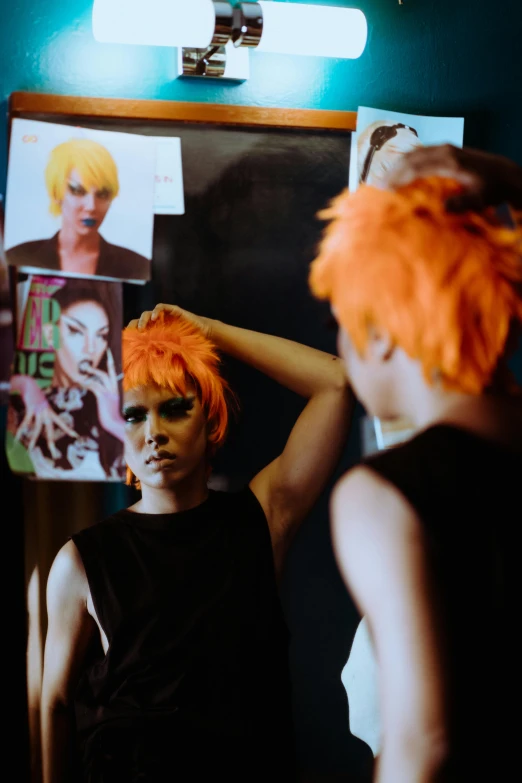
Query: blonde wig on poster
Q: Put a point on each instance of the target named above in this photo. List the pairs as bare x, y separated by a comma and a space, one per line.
91, 160
445, 287
171, 353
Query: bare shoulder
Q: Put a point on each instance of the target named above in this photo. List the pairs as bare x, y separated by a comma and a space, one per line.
365, 504
369, 492
67, 579
357, 483
377, 538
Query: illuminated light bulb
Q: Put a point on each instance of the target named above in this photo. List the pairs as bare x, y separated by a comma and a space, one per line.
174, 23
324, 31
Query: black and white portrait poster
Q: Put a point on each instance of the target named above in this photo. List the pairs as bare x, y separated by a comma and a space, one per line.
383, 136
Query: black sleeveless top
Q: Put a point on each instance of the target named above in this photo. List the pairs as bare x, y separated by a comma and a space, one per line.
466, 491
196, 670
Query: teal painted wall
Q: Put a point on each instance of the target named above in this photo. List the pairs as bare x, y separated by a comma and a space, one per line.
456, 57
459, 57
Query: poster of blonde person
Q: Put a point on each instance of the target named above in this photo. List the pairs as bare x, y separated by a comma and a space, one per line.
64, 420
79, 202
383, 136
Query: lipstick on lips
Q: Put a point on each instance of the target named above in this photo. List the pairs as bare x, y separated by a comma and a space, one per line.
89, 222
160, 457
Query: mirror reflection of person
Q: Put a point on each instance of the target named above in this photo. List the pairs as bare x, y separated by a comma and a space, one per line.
380, 147
167, 650
427, 296
73, 428
82, 182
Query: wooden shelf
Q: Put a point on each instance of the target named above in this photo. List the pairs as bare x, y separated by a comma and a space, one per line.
23, 103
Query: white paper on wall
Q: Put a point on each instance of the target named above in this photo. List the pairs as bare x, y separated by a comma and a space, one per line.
168, 192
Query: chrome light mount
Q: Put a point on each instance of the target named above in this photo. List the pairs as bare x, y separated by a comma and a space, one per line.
237, 29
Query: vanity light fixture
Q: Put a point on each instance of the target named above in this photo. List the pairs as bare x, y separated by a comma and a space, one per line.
214, 37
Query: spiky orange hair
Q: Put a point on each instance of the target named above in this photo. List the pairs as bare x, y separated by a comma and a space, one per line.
171, 352
445, 287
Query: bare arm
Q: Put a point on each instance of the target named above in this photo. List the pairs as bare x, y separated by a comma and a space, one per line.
379, 548
289, 486
70, 630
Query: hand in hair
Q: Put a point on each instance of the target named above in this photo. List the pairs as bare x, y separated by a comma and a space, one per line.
205, 324
489, 180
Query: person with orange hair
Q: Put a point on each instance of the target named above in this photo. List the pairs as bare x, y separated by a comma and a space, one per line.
428, 298
165, 631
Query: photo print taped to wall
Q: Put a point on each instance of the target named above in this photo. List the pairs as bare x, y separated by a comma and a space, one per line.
382, 137
64, 414
80, 202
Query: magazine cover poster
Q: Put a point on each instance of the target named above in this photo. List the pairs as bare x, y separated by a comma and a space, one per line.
79, 202
64, 414
6, 319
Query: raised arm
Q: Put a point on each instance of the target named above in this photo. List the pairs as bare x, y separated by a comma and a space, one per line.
289, 486
70, 630
379, 547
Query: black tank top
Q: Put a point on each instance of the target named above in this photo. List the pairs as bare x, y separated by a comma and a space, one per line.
196, 671
465, 490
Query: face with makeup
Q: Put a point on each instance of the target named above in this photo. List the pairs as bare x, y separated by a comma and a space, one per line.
83, 333
83, 209
165, 435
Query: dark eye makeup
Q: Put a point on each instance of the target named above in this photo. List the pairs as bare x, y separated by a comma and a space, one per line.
176, 405
170, 409
134, 413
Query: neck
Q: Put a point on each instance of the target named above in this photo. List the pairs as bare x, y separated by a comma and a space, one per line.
187, 494
454, 409
496, 415
69, 241
411, 397
430, 405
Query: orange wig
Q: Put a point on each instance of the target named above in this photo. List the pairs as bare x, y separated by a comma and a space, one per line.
445, 287
171, 352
